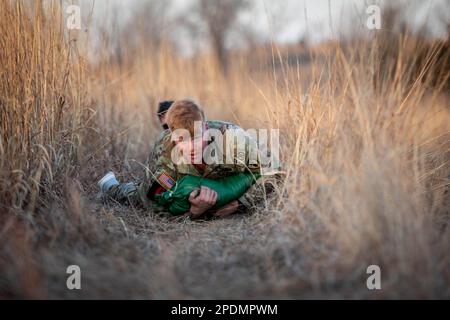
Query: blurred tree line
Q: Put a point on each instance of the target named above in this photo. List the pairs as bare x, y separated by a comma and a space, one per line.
216, 25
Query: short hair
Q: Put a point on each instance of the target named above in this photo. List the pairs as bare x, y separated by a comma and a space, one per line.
183, 114
163, 107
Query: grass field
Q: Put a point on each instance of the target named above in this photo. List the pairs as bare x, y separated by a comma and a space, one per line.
365, 141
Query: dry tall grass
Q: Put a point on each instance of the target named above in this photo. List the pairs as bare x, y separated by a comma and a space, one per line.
366, 150
42, 102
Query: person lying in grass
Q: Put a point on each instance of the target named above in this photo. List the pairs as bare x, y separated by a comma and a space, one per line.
199, 148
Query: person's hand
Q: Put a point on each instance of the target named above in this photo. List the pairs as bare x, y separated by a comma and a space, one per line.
201, 201
228, 210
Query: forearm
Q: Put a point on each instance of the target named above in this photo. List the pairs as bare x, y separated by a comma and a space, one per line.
227, 210
196, 212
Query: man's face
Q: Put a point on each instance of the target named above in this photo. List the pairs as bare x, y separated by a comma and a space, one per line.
194, 146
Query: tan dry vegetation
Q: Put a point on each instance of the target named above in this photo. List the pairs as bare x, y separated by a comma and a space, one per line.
366, 151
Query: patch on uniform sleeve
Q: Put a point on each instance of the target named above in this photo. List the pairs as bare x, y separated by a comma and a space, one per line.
166, 181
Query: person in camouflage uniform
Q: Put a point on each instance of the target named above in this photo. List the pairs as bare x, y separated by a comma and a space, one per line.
162, 172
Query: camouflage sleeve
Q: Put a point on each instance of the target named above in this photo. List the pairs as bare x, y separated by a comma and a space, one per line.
157, 149
164, 173
253, 155
257, 157
243, 148
160, 167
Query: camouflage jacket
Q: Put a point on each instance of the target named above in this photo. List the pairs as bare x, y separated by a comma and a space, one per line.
161, 168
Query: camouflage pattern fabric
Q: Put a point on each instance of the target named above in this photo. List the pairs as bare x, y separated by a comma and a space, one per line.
262, 191
126, 193
165, 165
